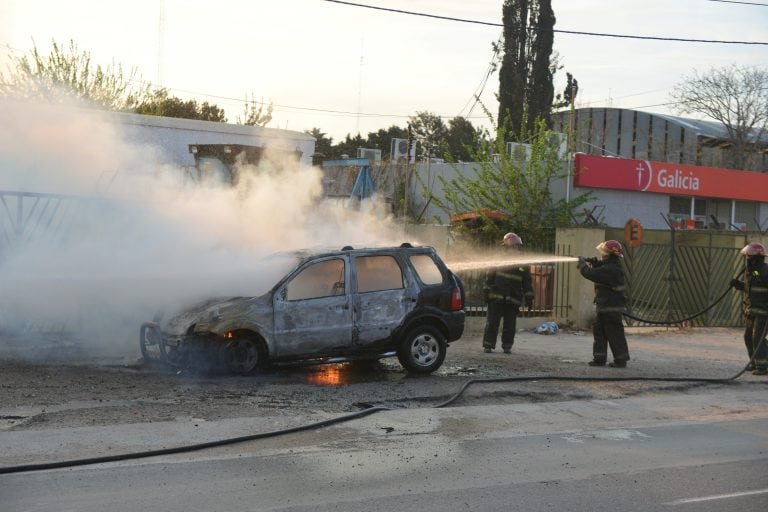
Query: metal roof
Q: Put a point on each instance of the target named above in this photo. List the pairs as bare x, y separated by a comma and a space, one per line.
703, 128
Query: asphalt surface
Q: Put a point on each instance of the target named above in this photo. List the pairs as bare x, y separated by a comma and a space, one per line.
680, 427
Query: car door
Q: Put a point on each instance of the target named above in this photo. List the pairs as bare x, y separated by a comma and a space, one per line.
384, 295
313, 312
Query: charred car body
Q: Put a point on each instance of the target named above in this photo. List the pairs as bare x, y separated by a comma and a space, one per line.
350, 303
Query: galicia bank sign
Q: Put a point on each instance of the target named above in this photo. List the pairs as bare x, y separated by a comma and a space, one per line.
670, 179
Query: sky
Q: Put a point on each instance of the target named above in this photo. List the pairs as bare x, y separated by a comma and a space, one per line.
348, 70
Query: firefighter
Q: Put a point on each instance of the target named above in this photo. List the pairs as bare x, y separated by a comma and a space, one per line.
755, 286
506, 290
608, 275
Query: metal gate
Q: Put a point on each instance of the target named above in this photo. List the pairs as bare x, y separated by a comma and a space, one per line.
550, 286
25, 216
26, 219
678, 279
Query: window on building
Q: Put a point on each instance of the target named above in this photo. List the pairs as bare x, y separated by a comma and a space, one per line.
745, 215
679, 210
718, 214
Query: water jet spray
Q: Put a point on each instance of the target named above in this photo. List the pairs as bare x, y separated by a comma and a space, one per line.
507, 261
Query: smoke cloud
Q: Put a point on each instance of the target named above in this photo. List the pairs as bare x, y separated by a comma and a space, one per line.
129, 236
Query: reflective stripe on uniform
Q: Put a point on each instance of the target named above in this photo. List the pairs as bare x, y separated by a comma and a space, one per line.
613, 309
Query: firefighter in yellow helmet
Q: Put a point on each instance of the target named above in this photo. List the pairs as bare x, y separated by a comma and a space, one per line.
506, 290
608, 330
755, 288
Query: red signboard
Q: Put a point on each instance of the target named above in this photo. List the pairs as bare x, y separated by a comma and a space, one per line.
670, 179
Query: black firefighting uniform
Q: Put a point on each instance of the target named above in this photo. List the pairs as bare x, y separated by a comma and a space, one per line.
756, 312
506, 290
608, 330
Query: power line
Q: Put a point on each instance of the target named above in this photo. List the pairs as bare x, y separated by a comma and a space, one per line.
341, 113
744, 3
481, 87
572, 32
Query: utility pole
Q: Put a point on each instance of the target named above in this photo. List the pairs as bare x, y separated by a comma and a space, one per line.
360, 86
160, 43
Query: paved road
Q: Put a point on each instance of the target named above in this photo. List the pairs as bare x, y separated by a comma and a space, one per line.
706, 449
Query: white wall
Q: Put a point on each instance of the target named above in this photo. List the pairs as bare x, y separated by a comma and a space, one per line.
615, 207
172, 136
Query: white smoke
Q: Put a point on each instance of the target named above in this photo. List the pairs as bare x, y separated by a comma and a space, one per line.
137, 236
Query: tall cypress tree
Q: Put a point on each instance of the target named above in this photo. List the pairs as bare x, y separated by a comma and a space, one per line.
525, 77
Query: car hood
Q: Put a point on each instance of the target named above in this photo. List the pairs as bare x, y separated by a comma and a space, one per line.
211, 314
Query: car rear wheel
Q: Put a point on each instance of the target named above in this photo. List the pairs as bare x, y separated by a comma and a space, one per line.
423, 350
242, 355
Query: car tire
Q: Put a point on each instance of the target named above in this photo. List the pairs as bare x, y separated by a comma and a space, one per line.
243, 355
422, 350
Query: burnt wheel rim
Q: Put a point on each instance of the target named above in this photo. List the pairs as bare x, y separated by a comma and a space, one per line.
243, 355
425, 349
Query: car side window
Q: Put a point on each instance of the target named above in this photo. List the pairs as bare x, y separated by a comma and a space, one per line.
321, 279
426, 269
378, 273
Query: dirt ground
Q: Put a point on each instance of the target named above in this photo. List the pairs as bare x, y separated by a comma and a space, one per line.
56, 385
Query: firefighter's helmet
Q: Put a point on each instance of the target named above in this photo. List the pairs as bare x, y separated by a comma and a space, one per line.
753, 249
610, 247
512, 239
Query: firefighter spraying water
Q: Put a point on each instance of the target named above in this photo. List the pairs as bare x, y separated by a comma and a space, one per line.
506, 290
755, 288
610, 301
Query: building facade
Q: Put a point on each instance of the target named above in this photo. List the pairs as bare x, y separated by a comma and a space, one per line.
662, 170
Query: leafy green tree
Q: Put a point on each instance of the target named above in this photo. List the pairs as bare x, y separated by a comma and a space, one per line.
430, 133
323, 145
568, 97
526, 90
737, 97
161, 104
257, 113
518, 186
460, 138
349, 146
382, 139
67, 73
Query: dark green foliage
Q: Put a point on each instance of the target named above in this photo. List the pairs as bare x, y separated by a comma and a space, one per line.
568, 97
160, 104
323, 145
382, 139
525, 76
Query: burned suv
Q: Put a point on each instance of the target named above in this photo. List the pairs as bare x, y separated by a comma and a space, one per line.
348, 304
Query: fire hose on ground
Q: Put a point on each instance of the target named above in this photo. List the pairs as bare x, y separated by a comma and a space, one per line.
372, 409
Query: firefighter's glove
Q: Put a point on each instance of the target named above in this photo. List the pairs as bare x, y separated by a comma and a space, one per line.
592, 261
739, 285
582, 262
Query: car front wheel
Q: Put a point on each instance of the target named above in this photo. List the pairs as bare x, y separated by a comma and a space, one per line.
242, 355
423, 350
